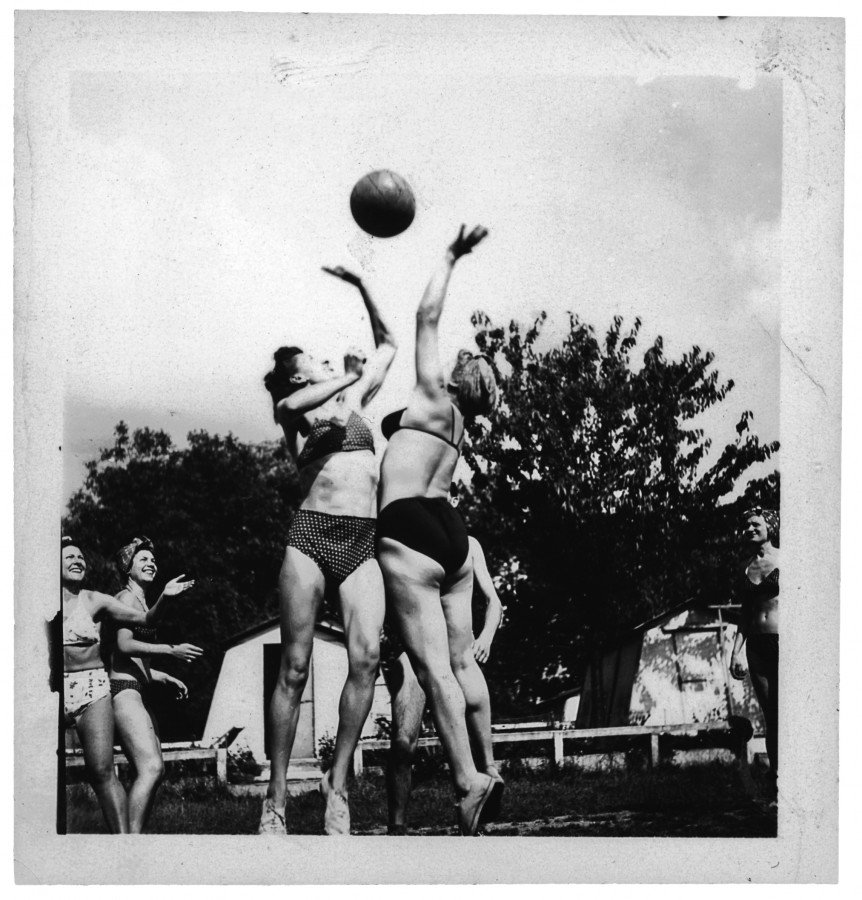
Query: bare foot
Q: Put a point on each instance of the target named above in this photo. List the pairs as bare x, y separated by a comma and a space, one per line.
470, 806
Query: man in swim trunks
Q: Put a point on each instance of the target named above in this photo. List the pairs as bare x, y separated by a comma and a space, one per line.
330, 545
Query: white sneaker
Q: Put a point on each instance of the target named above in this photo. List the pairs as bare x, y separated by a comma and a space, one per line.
271, 820
336, 819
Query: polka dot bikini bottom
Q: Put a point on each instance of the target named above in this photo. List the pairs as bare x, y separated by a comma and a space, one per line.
338, 544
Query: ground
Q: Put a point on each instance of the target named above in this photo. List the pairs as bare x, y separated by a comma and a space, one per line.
696, 801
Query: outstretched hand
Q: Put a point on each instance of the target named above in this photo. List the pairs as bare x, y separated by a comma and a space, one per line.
344, 275
175, 586
465, 244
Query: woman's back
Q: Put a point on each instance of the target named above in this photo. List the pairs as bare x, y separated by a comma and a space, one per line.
424, 448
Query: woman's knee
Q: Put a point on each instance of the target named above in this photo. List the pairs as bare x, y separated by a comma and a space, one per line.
151, 768
101, 770
293, 673
364, 658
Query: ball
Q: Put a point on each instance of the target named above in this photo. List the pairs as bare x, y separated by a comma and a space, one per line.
382, 203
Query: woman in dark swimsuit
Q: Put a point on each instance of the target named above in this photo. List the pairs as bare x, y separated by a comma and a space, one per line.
758, 627
132, 677
422, 540
330, 543
86, 686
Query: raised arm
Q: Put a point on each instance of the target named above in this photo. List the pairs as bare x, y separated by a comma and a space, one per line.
373, 371
123, 614
493, 610
313, 395
429, 373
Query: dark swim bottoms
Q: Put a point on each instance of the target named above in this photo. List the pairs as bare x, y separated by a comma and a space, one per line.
338, 544
118, 685
429, 525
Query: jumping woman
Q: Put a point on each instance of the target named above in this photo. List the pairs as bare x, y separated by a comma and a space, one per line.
330, 542
422, 540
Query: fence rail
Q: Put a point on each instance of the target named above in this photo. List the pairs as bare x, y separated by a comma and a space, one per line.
171, 754
557, 736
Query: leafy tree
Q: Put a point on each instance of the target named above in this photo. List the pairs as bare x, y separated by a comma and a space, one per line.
595, 495
217, 510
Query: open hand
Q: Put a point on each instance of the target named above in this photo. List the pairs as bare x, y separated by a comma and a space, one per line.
462, 244
186, 652
175, 586
344, 275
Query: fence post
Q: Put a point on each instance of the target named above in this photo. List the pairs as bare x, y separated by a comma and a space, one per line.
357, 759
221, 765
654, 755
558, 747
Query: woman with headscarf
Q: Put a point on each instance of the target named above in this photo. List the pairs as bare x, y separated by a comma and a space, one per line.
758, 627
422, 541
130, 650
330, 544
86, 685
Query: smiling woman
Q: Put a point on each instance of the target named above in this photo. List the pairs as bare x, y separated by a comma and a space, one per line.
129, 650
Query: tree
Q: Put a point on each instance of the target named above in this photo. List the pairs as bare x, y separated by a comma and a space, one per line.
218, 511
595, 495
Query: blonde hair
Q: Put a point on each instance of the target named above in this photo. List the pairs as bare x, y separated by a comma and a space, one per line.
475, 384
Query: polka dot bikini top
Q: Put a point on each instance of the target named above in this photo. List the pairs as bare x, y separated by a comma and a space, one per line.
331, 436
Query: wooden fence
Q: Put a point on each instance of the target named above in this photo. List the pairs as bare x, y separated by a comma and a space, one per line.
621, 737
171, 753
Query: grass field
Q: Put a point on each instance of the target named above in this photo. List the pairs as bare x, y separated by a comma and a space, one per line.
696, 801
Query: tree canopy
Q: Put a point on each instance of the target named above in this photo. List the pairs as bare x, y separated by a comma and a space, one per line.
596, 496
595, 493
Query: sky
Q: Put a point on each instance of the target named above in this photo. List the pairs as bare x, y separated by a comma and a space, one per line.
202, 185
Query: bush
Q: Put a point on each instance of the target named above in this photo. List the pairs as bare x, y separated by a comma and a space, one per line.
242, 767
326, 752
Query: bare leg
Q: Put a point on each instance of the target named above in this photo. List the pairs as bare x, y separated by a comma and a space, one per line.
140, 742
457, 609
408, 704
763, 670
300, 587
96, 731
413, 586
362, 609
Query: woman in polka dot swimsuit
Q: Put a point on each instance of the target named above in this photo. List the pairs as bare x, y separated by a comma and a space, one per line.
330, 543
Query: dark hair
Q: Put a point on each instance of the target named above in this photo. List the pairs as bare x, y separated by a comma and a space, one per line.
278, 381
67, 541
475, 384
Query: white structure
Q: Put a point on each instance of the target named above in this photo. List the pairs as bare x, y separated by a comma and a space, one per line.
246, 680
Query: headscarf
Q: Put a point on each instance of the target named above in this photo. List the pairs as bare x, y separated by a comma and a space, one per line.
772, 520
125, 555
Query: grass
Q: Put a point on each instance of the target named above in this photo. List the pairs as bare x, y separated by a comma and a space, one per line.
696, 801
